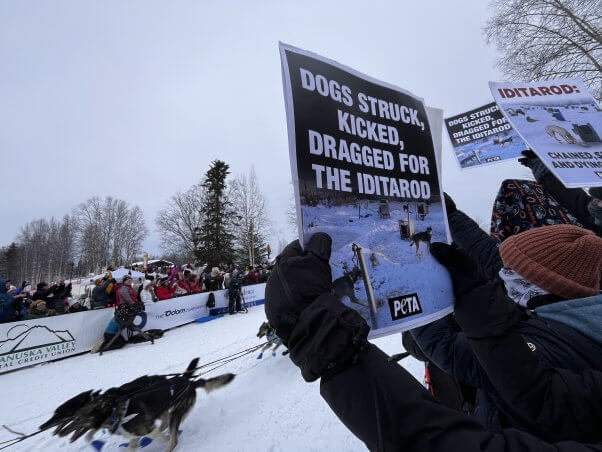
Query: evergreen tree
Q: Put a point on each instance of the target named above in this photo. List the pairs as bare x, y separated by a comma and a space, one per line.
9, 262
215, 236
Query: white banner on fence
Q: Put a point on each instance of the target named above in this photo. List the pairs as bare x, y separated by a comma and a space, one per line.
171, 313
36, 341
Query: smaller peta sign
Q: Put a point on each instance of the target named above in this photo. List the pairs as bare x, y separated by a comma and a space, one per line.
404, 306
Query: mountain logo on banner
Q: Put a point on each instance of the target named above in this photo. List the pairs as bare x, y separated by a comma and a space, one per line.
404, 306
25, 345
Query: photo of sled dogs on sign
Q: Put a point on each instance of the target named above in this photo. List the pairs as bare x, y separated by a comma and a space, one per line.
561, 122
483, 136
365, 172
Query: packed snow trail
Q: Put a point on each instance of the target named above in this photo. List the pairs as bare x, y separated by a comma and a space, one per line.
268, 406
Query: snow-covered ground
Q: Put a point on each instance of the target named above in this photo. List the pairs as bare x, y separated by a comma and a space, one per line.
268, 407
393, 264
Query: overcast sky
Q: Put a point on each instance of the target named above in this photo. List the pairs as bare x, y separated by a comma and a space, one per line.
134, 99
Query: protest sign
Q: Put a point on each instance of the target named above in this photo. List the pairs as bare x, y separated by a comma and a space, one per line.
365, 172
561, 122
483, 136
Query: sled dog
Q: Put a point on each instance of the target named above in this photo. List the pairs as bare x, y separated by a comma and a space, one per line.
152, 406
344, 286
266, 330
424, 237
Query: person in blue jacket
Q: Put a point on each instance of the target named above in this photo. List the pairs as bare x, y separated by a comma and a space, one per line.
7, 303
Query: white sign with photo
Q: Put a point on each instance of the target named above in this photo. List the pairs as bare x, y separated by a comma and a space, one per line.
561, 121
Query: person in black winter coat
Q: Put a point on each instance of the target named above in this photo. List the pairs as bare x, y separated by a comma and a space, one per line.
380, 402
100, 297
566, 261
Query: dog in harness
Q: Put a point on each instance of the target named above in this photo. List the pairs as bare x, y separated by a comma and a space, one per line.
265, 330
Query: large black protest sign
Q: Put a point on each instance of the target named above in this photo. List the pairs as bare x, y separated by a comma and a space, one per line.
482, 136
365, 172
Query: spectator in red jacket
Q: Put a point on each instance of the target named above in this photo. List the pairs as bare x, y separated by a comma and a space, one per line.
195, 284
182, 285
163, 291
252, 277
125, 292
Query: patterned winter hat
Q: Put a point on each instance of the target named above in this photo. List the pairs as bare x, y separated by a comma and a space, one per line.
563, 259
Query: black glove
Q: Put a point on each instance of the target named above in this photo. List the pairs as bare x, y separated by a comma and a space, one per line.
450, 205
530, 160
323, 335
465, 272
482, 307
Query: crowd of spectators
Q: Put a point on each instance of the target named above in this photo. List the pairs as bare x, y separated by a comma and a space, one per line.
22, 303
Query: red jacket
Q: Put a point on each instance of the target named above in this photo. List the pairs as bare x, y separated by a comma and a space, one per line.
125, 294
252, 277
183, 284
163, 293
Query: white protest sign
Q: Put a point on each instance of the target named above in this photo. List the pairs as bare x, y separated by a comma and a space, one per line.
561, 122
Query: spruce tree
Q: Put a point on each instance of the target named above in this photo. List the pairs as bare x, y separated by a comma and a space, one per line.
215, 236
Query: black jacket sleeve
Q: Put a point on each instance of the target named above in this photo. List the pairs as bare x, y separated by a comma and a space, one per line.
556, 404
469, 237
445, 345
575, 200
385, 407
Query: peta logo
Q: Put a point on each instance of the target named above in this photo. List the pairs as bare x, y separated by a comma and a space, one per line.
404, 306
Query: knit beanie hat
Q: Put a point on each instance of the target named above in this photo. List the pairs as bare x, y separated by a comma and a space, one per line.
563, 259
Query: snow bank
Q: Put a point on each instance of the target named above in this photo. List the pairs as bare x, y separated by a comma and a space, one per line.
268, 407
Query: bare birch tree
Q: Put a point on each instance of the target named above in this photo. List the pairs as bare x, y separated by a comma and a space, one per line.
544, 39
111, 232
179, 221
252, 226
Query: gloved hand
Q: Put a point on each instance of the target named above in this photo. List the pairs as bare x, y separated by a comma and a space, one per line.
530, 160
322, 334
450, 205
482, 307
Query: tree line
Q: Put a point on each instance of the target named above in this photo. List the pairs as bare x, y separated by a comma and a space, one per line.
97, 233
218, 221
